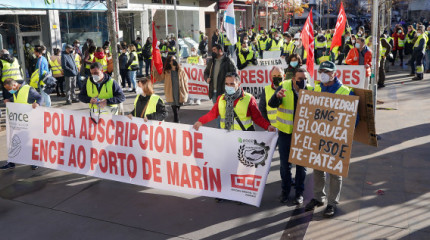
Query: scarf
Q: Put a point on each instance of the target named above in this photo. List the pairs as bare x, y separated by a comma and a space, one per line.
229, 111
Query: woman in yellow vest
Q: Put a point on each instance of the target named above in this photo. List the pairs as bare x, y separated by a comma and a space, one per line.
132, 66
57, 71
89, 59
100, 57
147, 105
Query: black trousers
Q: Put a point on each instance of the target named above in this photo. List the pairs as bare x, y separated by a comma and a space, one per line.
125, 78
400, 51
381, 79
175, 110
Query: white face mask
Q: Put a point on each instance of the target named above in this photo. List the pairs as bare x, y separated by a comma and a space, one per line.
96, 78
297, 43
107, 51
325, 78
77, 44
357, 45
418, 34
139, 91
277, 38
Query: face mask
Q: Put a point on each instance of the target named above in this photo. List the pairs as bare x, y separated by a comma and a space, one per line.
107, 51
194, 53
325, 78
319, 34
297, 43
359, 34
246, 41
229, 90
27, 45
357, 45
294, 64
400, 31
418, 34
353, 41
277, 81
214, 55
347, 38
139, 91
77, 45
277, 38
12, 91
96, 78
301, 84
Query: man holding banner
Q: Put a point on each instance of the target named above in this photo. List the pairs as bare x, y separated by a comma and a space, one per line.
285, 100
237, 109
331, 84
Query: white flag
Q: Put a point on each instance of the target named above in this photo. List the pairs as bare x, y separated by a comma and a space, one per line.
230, 23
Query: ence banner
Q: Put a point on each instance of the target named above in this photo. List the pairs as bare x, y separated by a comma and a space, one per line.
323, 131
255, 78
209, 162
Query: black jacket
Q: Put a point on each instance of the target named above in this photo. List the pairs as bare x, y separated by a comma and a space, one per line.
68, 64
227, 65
241, 66
159, 115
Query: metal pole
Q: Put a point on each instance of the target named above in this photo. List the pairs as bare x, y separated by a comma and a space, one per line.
176, 26
252, 13
282, 21
375, 50
389, 6
165, 18
267, 17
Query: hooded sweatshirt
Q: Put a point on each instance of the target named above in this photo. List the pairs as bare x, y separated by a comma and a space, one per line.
7, 58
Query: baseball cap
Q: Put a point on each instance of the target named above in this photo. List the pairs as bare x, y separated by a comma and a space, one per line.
68, 46
327, 65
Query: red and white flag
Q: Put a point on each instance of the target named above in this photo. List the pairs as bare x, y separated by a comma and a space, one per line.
307, 37
340, 28
156, 55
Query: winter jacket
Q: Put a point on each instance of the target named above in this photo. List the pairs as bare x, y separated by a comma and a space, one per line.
227, 65
168, 89
68, 64
366, 53
118, 95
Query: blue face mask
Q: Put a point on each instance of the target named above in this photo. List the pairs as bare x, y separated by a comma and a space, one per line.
12, 91
294, 64
229, 90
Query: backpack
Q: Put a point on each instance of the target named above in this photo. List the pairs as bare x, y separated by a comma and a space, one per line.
50, 83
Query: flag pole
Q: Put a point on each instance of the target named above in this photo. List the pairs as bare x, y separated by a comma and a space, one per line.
177, 37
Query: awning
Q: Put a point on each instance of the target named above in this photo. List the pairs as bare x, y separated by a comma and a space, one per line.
54, 5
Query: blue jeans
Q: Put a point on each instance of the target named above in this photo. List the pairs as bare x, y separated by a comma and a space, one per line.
147, 66
132, 76
46, 98
284, 144
427, 59
140, 73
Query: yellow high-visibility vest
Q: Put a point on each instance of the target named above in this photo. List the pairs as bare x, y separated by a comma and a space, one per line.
135, 61
103, 62
271, 112
241, 110
22, 95
90, 59
152, 104
106, 92
10, 70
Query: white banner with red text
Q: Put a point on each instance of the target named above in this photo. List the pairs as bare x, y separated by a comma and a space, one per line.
255, 78
174, 157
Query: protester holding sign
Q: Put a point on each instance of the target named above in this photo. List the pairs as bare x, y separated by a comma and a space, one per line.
20, 94
331, 84
147, 105
285, 100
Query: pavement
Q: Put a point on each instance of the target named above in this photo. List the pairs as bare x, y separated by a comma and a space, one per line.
48, 204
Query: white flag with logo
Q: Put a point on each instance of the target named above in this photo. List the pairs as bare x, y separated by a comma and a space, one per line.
230, 23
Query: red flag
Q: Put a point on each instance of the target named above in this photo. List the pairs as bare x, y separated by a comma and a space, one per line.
287, 25
156, 55
340, 28
307, 37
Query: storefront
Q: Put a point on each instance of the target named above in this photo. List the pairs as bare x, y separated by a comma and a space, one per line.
26, 24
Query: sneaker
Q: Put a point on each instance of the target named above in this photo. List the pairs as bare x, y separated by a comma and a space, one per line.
198, 102
284, 197
68, 103
34, 167
75, 101
8, 166
416, 78
313, 204
330, 210
298, 200
130, 89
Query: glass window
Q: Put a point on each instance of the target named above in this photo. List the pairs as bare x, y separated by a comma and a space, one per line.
29, 23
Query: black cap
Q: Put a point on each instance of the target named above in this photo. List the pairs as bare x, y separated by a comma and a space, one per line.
327, 65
